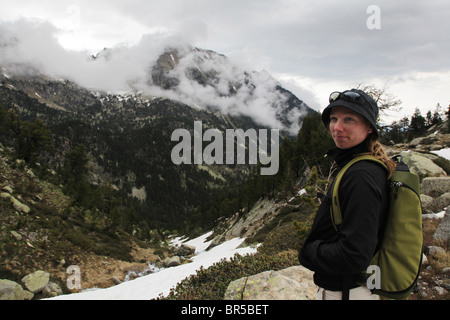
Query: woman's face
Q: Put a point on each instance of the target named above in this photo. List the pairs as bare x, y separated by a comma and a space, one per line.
348, 128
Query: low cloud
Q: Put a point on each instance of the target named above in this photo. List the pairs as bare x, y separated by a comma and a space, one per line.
26, 45
230, 89
32, 45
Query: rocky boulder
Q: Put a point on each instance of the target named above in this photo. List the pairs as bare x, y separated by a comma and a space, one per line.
293, 283
7, 189
443, 230
10, 290
7, 195
425, 142
435, 186
16, 235
247, 225
172, 262
185, 250
51, 290
37, 281
422, 165
435, 194
19, 206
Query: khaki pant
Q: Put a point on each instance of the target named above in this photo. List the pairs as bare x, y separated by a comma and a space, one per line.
359, 293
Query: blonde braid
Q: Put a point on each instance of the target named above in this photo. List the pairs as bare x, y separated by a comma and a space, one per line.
378, 151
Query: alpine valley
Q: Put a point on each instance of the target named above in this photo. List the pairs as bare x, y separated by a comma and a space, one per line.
101, 162
90, 196
127, 136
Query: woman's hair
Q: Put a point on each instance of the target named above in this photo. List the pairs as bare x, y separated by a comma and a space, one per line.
377, 150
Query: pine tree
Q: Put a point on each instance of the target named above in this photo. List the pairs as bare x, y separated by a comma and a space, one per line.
3, 120
418, 123
28, 138
75, 173
313, 141
33, 138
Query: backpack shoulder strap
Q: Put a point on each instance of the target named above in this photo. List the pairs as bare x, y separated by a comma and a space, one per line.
335, 209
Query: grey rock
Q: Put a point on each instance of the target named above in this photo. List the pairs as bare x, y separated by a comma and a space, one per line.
10, 290
443, 230
422, 166
294, 283
37, 281
435, 186
19, 206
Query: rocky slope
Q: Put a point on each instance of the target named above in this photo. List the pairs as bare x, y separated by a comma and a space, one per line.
41, 230
128, 135
128, 142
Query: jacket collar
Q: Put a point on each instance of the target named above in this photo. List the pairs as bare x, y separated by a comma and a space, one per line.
343, 156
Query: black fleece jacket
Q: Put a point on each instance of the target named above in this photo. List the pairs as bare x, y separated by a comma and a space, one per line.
364, 198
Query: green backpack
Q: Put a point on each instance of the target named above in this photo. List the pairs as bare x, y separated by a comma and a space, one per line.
395, 267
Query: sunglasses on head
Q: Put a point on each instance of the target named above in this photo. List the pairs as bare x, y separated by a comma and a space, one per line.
349, 96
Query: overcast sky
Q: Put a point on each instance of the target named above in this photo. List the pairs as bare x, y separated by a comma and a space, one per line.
312, 47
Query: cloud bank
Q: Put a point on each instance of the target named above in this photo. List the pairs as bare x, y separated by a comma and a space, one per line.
233, 89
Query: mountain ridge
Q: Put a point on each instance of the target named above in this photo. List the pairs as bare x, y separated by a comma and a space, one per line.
200, 78
128, 135
110, 162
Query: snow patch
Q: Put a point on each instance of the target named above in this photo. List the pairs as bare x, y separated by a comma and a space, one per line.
444, 153
438, 215
152, 285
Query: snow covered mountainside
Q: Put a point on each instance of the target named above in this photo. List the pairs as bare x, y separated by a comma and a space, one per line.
160, 283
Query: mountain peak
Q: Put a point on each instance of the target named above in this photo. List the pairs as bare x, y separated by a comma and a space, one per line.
198, 77
211, 81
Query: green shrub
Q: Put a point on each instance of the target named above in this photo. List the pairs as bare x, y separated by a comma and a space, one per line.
280, 239
211, 283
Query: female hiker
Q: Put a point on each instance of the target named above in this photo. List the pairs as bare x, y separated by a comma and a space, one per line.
338, 259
